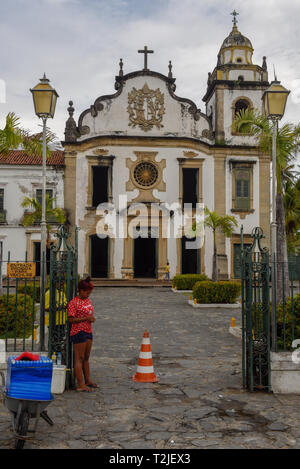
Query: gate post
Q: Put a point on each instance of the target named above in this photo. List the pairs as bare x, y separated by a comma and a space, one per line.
63, 284
255, 276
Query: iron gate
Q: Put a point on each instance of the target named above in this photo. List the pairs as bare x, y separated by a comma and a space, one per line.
63, 286
255, 278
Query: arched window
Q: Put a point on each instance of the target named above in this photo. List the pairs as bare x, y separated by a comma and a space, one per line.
240, 78
241, 104
239, 60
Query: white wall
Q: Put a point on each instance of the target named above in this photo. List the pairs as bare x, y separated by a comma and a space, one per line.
171, 195
247, 74
20, 182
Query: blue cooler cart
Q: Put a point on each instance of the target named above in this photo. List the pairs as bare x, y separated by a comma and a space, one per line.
26, 394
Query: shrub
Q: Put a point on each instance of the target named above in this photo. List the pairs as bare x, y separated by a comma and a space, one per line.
30, 288
216, 292
15, 315
187, 281
288, 318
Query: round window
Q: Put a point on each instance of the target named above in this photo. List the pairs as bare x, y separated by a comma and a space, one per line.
145, 174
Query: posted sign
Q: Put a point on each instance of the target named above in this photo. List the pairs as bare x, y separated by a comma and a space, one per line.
21, 269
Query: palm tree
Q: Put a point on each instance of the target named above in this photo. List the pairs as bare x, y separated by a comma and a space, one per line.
12, 136
253, 123
217, 222
56, 215
291, 201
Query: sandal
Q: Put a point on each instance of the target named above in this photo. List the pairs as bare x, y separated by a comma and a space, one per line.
83, 390
93, 385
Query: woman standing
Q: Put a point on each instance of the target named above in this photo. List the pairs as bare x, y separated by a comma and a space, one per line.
81, 317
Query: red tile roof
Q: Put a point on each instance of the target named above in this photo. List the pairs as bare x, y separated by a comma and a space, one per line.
19, 157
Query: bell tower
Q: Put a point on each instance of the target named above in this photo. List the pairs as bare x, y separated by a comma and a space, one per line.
235, 83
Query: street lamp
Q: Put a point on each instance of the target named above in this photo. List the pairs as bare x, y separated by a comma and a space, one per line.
274, 101
44, 100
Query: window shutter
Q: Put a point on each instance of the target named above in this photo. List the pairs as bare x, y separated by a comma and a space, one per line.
1, 199
242, 190
39, 197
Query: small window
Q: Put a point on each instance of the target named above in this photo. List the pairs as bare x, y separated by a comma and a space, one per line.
241, 78
239, 60
190, 186
242, 189
100, 185
240, 104
1, 200
39, 196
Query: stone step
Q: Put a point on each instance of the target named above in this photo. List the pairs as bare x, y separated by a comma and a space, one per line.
150, 282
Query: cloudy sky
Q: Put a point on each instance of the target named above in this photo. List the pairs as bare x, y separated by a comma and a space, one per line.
79, 43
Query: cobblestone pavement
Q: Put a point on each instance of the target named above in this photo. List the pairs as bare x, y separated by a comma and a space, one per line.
198, 402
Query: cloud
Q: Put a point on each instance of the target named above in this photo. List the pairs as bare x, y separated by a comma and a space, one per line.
78, 43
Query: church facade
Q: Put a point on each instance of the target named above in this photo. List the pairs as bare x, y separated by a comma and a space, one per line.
138, 157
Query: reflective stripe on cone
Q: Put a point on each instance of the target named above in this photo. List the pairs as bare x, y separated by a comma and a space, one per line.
145, 371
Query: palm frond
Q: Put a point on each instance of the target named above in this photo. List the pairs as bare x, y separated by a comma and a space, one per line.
12, 136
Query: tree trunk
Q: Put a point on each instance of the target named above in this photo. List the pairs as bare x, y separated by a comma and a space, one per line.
282, 280
215, 267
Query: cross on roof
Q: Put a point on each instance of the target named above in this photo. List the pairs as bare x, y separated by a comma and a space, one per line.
145, 51
234, 14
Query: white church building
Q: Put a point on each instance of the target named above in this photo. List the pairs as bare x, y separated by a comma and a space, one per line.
143, 146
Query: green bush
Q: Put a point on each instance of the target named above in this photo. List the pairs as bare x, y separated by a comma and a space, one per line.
30, 288
216, 292
288, 318
15, 315
187, 281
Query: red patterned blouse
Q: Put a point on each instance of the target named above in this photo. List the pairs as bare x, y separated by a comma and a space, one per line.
79, 308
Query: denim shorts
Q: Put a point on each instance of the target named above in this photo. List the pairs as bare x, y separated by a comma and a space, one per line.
81, 337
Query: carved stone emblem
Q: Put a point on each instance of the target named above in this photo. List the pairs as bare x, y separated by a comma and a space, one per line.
146, 108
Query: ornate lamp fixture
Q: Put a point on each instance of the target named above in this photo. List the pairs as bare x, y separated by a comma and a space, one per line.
44, 98
274, 100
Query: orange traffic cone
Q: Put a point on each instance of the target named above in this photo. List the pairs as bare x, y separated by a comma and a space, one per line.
145, 370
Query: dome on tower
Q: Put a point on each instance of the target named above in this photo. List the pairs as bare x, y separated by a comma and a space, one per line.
237, 39
236, 48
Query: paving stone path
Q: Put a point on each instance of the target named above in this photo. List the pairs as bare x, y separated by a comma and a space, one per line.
198, 401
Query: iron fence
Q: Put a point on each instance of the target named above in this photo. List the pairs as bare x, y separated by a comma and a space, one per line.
287, 295
19, 309
255, 277
23, 324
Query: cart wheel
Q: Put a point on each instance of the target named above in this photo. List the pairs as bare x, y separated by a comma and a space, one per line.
22, 429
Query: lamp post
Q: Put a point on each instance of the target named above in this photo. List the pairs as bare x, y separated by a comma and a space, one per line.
274, 101
44, 99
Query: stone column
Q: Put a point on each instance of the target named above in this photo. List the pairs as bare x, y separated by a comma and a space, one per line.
70, 187
127, 264
162, 247
219, 115
264, 197
220, 207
